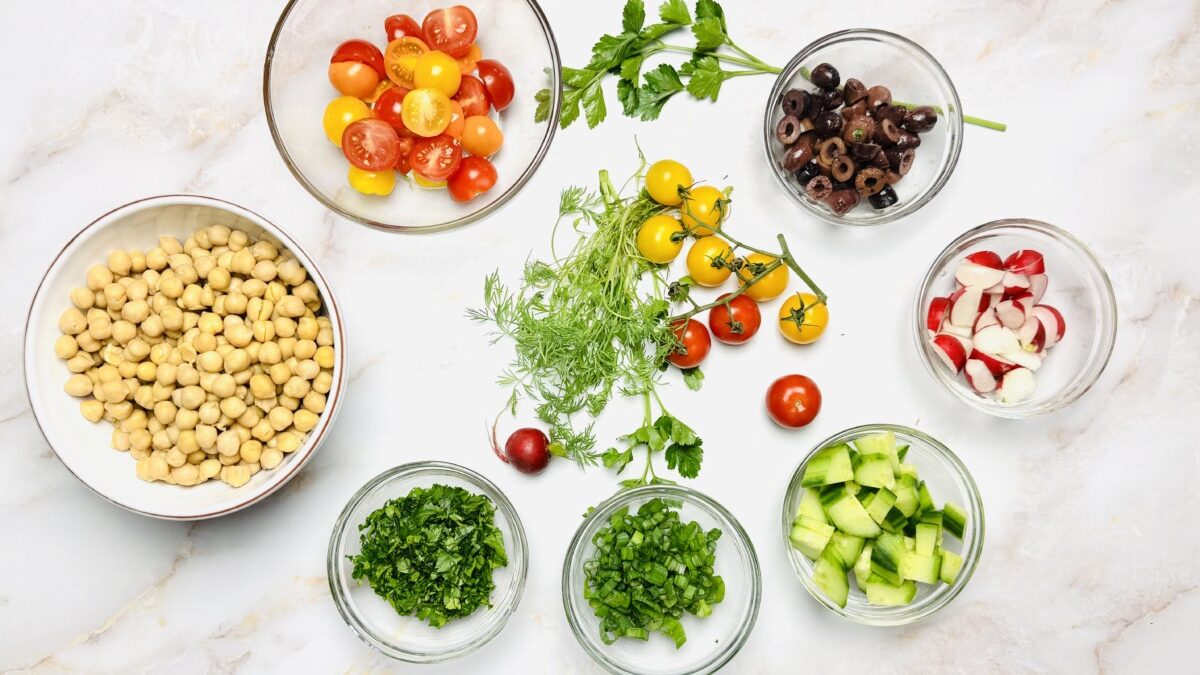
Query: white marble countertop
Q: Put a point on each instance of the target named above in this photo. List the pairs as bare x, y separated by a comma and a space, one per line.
1092, 545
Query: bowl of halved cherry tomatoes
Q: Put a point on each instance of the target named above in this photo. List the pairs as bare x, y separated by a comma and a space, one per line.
406, 116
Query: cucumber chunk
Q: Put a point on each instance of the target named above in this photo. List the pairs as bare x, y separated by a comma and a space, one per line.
880, 592
916, 567
810, 505
902, 452
875, 471
951, 565
847, 548
810, 536
829, 465
954, 519
881, 505
927, 536
882, 443
862, 568
924, 501
887, 552
829, 576
895, 521
906, 500
847, 514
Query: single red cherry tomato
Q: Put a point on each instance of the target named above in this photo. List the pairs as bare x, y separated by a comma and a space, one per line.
474, 177
436, 158
362, 51
404, 163
402, 25
735, 322
371, 145
388, 106
498, 81
451, 30
472, 96
696, 343
793, 401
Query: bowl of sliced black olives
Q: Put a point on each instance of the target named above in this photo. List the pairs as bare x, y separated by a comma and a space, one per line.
863, 127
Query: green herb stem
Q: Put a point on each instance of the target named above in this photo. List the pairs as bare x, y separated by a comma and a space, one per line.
758, 66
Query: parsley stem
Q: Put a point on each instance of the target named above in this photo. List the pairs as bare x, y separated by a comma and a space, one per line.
758, 66
734, 46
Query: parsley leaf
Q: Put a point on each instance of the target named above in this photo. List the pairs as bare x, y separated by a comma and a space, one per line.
685, 459
542, 97
674, 11
593, 105
627, 92
661, 84
633, 16
710, 9
709, 34
705, 77
693, 378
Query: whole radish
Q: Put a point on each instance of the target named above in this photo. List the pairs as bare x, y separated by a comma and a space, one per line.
528, 450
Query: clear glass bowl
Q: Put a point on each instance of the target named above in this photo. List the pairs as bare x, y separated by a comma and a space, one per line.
405, 637
711, 641
913, 76
948, 480
1078, 287
296, 90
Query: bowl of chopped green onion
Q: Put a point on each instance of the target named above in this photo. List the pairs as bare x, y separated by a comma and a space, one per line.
883, 524
427, 562
660, 580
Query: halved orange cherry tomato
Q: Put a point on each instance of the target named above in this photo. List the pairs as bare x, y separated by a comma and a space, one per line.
466, 64
472, 94
402, 25
457, 122
389, 107
352, 78
436, 158
426, 112
371, 145
498, 81
481, 136
400, 59
474, 177
451, 30
361, 51
383, 86
436, 70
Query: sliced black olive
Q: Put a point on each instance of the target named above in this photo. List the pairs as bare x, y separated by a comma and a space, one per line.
859, 130
825, 76
818, 188
829, 150
807, 172
887, 133
890, 112
842, 185
884, 198
854, 91
878, 95
788, 130
859, 109
831, 99
870, 181
842, 168
864, 152
907, 140
900, 161
795, 103
892, 177
799, 153
841, 201
920, 119
880, 161
827, 124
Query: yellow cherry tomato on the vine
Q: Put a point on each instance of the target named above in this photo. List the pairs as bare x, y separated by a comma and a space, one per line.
663, 180
704, 208
803, 318
660, 239
436, 70
708, 261
770, 286
372, 182
340, 113
426, 112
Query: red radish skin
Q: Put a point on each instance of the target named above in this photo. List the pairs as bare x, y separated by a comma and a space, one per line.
979, 376
1015, 284
1032, 335
1060, 327
987, 259
937, 314
950, 351
1026, 261
997, 366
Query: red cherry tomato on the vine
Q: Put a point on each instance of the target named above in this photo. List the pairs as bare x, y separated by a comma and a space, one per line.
498, 81
474, 177
362, 51
371, 145
696, 343
451, 30
735, 322
388, 106
472, 96
793, 401
402, 25
436, 158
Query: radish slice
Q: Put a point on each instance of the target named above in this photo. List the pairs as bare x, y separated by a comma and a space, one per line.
965, 307
980, 376
1015, 284
988, 318
950, 351
1032, 335
1050, 317
973, 274
997, 365
1037, 286
987, 259
1024, 359
996, 340
965, 332
1011, 313
1026, 261
937, 314
1015, 386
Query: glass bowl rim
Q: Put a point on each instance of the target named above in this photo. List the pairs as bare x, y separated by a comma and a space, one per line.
342, 528
687, 495
789, 70
1108, 306
974, 504
555, 105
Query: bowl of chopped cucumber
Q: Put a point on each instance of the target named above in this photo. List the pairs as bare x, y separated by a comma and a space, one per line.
883, 524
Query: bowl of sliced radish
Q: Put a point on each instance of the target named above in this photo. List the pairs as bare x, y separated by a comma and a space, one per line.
1016, 318
883, 524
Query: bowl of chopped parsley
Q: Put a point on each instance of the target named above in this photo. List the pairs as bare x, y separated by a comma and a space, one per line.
661, 579
427, 562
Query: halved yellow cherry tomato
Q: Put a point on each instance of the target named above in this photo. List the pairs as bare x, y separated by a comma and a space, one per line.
704, 209
708, 261
340, 113
466, 64
663, 180
383, 86
352, 78
803, 318
768, 287
372, 182
400, 60
660, 239
426, 112
426, 183
481, 136
437, 70
457, 121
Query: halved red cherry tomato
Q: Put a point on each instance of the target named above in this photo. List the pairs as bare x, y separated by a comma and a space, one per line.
451, 30
388, 107
361, 51
436, 158
472, 96
404, 163
371, 145
498, 81
696, 343
402, 25
474, 177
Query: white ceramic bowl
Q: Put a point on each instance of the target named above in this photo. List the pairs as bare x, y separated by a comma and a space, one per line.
84, 447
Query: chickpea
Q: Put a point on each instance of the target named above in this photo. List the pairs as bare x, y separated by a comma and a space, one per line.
78, 385
152, 326
291, 272
314, 402
118, 410
209, 361
228, 442
271, 458
135, 311
239, 334
98, 276
171, 286
139, 439
270, 354
88, 343
297, 387
137, 261
325, 337
263, 431
165, 411
264, 270
65, 347
233, 407
191, 297
307, 292
91, 409
304, 420
235, 476
187, 474
253, 288
83, 298
264, 250
209, 468
290, 306
288, 441
137, 349
280, 418
72, 321
251, 451
224, 386
187, 442
190, 397
158, 466
210, 323
243, 262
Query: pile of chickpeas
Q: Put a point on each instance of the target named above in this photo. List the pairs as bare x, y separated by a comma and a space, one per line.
209, 357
